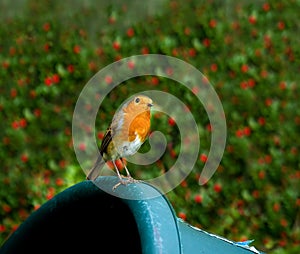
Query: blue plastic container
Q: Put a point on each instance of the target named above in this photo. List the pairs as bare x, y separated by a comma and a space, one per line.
87, 219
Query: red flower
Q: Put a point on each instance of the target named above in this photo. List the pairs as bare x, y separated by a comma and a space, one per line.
203, 158
13, 92
2, 228
184, 184
244, 68
283, 222
37, 112
24, 158
36, 206
258, 53
32, 94
50, 193
262, 120
108, 80
46, 47
214, 67
266, 7
5, 64
131, 64
276, 207
48, 81
268, 159
99, 51
6, 208
55, 78
281, 25
251, 82
173, 153
67, 131
252, 19
261, 174
206, 42
62, 163
171, 121
22, 123
118, 57
192, 52
46, 27
76, 49
264, 73
239, 133
15, 125
175, 52
70, 68
145, 51
217, 187
92, 66
195, 90
209, 127
268, 102
282, 85
169, 71
82, 147
155, 81
244, 85
46, 180
100, 135
111, 20
59, 181
187, 31
182, 215
12, 51
14, 227
212, 23
282, 243
116, 45
198, 199
247, 131
130, 32
255, 194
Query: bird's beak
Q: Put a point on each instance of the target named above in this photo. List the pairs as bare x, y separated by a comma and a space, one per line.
150, 105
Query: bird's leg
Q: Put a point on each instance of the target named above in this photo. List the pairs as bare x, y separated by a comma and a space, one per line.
129, 177
126, 169
117, 170
122, 181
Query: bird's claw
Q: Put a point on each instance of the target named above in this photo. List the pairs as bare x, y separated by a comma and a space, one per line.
127, 180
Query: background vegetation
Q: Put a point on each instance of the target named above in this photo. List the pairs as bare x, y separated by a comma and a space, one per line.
249, 50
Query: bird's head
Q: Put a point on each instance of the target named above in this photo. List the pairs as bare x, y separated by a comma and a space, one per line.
140, 103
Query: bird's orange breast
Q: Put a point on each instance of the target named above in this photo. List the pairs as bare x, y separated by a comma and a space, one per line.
140, 126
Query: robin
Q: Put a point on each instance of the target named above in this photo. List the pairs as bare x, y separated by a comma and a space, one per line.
128, 130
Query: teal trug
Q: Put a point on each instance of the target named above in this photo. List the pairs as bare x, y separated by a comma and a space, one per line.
87, 219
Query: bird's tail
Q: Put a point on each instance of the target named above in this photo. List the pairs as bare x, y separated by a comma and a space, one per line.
95, 170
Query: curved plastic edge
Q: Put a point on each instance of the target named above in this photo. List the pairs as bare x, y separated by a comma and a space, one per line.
155, 217
159, 229
195, 240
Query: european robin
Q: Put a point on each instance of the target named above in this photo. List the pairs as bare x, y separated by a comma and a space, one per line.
128, 130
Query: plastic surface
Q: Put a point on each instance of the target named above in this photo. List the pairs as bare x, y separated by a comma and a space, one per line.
88, 219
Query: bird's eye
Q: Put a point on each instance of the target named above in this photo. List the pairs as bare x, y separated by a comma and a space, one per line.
137, 100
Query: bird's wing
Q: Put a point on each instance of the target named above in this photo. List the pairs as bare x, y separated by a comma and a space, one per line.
106, 140
95, 170
115, 127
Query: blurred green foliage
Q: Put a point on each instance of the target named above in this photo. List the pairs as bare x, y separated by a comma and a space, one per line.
250, 53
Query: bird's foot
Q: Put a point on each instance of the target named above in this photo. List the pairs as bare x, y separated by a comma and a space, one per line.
128, 179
